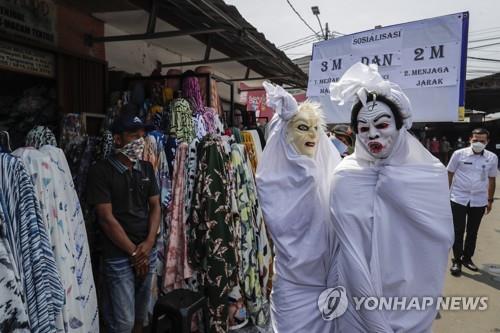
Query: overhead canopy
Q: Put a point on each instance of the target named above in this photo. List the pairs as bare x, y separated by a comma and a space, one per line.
484, 93
207, 32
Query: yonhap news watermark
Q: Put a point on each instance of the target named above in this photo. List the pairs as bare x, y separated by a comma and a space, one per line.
333, 303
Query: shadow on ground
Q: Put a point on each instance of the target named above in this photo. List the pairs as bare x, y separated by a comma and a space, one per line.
489, 275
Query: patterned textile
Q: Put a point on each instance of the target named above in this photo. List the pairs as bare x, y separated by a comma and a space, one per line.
190, 176
13, 316
200, 126
30, 245
176, 266
154, 152
86, 160
64, 221
254, 247
181, 123
170, 149
39, 136
212, 242
215, 100
250, 149
237, 135
107, 144
71, 129
191, 92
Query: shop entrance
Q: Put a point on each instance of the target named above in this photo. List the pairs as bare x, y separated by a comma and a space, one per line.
26, 101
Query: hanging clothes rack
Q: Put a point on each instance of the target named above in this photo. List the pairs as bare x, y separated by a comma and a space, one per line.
181, 77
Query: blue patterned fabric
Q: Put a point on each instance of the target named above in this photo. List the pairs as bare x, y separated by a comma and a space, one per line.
29, 242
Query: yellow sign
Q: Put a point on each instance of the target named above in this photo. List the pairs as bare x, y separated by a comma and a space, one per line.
461, 113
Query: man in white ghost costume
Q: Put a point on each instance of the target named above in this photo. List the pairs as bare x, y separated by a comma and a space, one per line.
293, 183
390, 209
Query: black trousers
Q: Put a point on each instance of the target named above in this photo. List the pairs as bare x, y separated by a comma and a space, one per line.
473, 216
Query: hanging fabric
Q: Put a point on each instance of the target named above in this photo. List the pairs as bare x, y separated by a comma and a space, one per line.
181, 123
71, 128
13, 315
39, 136
30, 245
257, 143
212, 242
191, 92
249, 143
177, 269
64, 221
255, 252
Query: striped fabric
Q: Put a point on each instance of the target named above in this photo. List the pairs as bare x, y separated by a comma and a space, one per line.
30, 245
13, 316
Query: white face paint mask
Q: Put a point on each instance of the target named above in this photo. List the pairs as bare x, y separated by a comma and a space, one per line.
303, 132
377, 129
478, 147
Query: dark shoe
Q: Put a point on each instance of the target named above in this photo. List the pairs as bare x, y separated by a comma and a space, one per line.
456, 268
470, 265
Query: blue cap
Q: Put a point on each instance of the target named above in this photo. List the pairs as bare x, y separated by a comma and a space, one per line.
127, 124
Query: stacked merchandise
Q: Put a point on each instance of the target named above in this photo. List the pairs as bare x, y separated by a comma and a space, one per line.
44, 242
212, 237
19, 114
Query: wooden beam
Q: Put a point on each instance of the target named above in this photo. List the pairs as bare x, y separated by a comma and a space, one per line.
165, 34
208, 49
212, 61
153, 13
262, 78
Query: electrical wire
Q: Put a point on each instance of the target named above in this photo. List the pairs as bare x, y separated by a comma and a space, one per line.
295, 41
300, 16
481, 46
484, 39
484, 59
305, 42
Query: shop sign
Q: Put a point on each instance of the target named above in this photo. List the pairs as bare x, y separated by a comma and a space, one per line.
33, 19
425, 58
26, 60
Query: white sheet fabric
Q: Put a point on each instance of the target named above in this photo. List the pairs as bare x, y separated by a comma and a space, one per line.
393, 221
66, 227
293, 190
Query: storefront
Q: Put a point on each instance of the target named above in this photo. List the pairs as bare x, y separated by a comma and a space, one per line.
45, 68
74, 67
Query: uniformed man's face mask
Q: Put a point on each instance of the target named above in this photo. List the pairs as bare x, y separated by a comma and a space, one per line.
303, 132
377, 129
133, 150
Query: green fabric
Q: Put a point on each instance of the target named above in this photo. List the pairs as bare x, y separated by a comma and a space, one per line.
181, 122
212, 244
255, 254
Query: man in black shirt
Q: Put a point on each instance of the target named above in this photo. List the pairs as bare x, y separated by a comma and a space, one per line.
125, 194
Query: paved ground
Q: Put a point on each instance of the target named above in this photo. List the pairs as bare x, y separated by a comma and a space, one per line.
486, 282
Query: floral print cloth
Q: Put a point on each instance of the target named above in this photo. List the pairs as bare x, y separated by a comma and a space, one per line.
69, 211
212, 241
181, 123
177, 268
250, 148
254, 249
63, 218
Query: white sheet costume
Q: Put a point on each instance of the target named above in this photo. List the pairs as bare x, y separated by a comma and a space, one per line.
293, 185
391, 213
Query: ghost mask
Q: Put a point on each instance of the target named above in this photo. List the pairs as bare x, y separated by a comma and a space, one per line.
377, 129
303, 130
